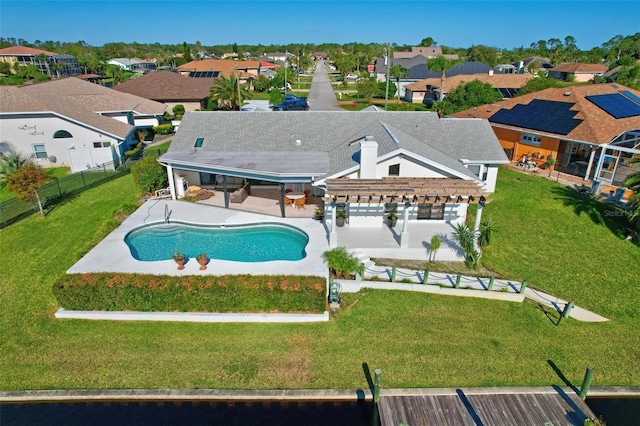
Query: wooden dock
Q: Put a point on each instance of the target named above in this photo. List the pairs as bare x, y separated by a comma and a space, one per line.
551, 406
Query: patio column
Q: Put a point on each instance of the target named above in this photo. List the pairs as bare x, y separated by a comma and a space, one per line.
333, 235
172, 184
282, 199
225, 193
404, 236
590, 165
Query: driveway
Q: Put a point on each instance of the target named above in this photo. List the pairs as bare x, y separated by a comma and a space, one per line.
321, 96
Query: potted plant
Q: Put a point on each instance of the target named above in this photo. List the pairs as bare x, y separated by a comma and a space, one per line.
180, 259
392, 219
319, 214
341, 215
202, 259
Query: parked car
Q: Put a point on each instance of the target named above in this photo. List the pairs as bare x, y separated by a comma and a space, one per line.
299, 104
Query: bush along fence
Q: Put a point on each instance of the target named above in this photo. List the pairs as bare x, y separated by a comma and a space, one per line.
54, 192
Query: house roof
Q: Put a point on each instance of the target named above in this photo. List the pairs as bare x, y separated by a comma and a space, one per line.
225, 66
577, 68
417, 68
596, 125
24, 50
165, 86
77, 100
268, 143
498, 81
131, 61
419, 50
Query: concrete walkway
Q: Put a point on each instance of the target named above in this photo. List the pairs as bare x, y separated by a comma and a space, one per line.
476, 283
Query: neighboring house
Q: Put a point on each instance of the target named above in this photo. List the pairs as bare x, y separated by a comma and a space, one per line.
71, 122
427, 52
171, 89
573, 124
364, 164
52, 64
507, 68
133, 64
417, 70
230, 55
577, 72
532, 65
428, 90
321, 56
279, 56
211, 68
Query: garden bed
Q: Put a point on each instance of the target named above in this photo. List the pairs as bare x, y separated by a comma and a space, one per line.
229, 293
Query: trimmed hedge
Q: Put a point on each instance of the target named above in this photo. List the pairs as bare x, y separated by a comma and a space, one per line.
191, 293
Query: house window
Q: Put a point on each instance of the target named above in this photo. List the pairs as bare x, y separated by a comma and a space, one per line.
199, 142
394, 170
430, 211
62, 134
101, 144
40, 151
530, 140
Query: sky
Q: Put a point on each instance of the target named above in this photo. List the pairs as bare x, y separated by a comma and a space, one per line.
452, 23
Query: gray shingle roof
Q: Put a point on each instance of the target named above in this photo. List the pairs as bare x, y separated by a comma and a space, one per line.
78, 100
269, 141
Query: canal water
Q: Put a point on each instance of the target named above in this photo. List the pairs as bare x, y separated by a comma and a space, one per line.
192, 413
616, 411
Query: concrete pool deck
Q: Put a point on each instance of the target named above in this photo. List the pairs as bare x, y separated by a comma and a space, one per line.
113, 255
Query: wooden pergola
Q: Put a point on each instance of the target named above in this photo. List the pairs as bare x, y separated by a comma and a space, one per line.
400, 189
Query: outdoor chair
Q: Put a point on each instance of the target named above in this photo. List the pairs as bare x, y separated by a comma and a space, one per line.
288, 202
300, 202
307, 193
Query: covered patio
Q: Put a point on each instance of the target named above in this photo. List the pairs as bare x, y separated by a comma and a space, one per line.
426, 206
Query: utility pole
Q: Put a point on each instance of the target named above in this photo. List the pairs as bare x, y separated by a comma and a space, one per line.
388, 62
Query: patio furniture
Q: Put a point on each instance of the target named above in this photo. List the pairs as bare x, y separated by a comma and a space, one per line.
307, 193
288, 202
300, 202
294, 195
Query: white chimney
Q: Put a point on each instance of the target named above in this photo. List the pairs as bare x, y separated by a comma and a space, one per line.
368, 158
490, 73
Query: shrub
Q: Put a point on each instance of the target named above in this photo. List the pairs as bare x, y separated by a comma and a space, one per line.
191, 293
134, 152
163, 129
178, 110
341, 262
149, 175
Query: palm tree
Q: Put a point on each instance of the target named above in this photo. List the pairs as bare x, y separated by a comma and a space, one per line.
398, 71
228, 92
10, 163
441, 64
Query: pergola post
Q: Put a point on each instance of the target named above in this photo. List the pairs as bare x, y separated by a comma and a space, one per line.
333, 235
282, 199
225, 192
476, 226
404, 236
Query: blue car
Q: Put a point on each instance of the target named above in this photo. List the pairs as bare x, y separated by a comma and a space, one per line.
297, 104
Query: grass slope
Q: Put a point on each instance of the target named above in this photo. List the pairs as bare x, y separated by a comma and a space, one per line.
418, 340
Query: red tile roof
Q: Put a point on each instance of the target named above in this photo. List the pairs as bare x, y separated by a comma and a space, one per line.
575, 67
163, 86
23, 50
597, 125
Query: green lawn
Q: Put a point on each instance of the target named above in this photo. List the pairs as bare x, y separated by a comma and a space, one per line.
559, 242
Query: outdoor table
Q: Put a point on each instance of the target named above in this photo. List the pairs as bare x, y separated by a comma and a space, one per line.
294, 195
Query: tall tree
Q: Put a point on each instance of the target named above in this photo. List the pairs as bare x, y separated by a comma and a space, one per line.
428, 42
345, 64
186, 52
397, 71
228, 92
441, 64
25, 182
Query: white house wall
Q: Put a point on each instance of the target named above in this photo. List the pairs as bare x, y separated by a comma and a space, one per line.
23, 132
408, 168
492, 177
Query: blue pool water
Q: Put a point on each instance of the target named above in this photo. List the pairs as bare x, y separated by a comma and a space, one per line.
240, 243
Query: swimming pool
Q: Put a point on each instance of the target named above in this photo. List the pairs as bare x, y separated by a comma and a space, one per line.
241, 243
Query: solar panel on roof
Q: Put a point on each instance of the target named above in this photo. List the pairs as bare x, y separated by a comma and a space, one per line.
542, 115
616, 105
631, 96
